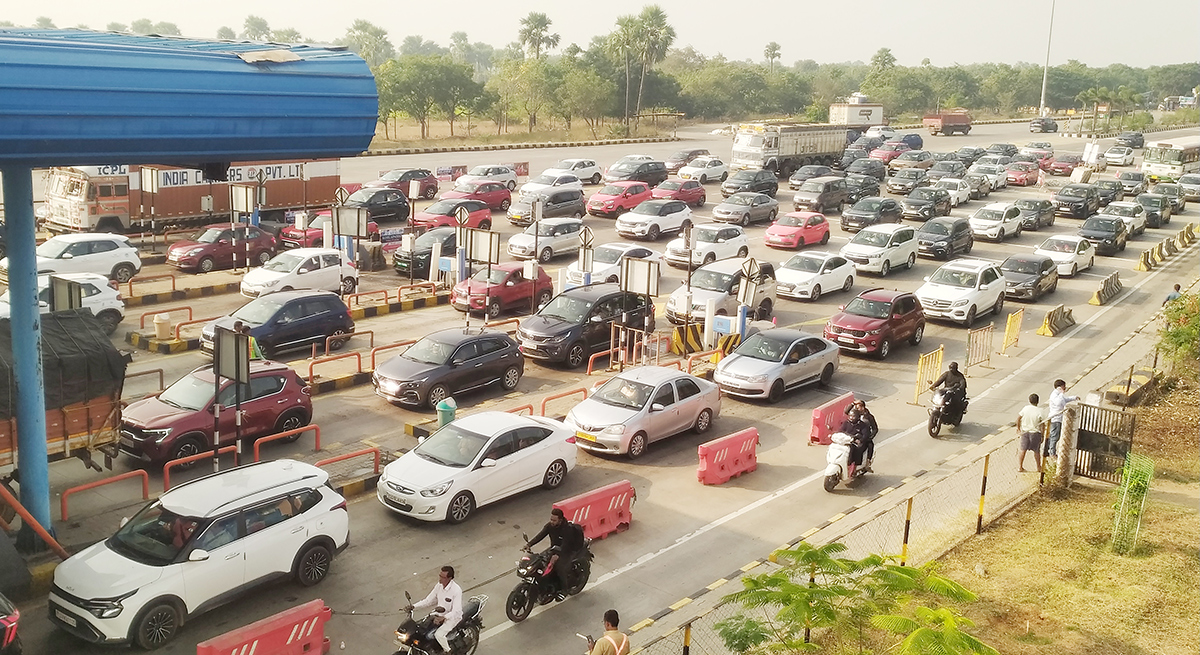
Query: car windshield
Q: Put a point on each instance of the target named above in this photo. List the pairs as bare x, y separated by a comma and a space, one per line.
1022, 166
810, 171
1190, 179
443, 207
1073, 192
743, 176
648, 208
1029, 203
935, 227
451, 446
611, 190
154, 536
258, 311
466, 187
856, 182
705, 234
760, 346
426, 241
188, 392
910, 156
869, 308
52, 248
1132, 176
991, 170
812, 187
861, 165
361, 196
712, 281
951, 277
791, 221
541, 229
924, 193
945, 166
1111, 185
208, 235
283, 262
804, 263
871, 238
479, 170
546, 179
1052, 245
1150, 202
429, 351
986, 214
682, 155
624, 393
566, 308
494, 276
739, 199
1122, 210
1118, 150
1020, 265
393, 176
607, 255
1070, 159
671, 185
855, 153
868, 205
909, 174
1102, 224
624, 167
890, 147
565, 165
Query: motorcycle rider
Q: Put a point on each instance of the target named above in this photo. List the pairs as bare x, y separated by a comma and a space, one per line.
567, 537
955, 384
446, 599
867, 429
854, 427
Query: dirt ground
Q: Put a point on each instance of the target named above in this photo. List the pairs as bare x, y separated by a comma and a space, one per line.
1048, 583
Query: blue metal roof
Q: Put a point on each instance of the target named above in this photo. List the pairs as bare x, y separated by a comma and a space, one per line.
70, 97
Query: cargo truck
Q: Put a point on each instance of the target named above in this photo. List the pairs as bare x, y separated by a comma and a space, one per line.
783, 147
948, 122
857, 116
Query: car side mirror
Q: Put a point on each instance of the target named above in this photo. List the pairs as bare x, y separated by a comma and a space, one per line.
198, 555
66, 255
456, 362
488, 463
926, 278
302, 271
657, 407
983, 287
509, 283
721, 240
223, 242
596, 319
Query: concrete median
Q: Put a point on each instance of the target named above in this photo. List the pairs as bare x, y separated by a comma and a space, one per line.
1109, 288
1057, 320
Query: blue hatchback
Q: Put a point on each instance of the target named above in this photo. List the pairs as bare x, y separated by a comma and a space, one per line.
287, 320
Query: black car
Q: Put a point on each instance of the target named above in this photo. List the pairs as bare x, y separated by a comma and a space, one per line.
287, 320
683, 158
868, 166
849, 156
809, 172
578, 322
382, 204
946, 168
926, 202
1035, 213
555, 203
860, 186
1158, 208
969, 154
1173, 191
1110, 191
1134, 182
1029, 277
415, 263
945, 237
867, 143
1077, 200
981, 185
871, 211
447, 363
758, 180
907, 179
1043, 125
1005, 149
1131, 139
1107, 233
650, 172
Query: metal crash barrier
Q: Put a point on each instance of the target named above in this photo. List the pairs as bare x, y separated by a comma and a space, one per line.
979, 347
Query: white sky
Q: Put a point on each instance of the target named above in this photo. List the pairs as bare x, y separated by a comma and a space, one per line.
1096, 32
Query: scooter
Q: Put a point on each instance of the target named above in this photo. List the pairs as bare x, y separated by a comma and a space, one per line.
838, 464
539, 583
939, 412
416, 637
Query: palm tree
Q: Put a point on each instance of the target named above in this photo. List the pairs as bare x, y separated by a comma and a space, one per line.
620, 44
655, 37
534, 34
1125, 99
771, 53
1089, 97
934, 631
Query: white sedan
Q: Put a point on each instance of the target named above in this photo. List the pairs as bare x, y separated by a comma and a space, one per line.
959, 190
996, 175
809, 274
1119, 156
474, 461
606, 261
1071, 254
705, 169
490, 172
547, 182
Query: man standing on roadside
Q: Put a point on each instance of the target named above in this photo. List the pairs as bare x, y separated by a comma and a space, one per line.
613, 642
1058, 402
1175, 294
1029, 426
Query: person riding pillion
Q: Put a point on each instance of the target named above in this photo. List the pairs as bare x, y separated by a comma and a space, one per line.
446, 599
568, 538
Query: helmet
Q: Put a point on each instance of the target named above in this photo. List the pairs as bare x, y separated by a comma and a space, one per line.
953, 366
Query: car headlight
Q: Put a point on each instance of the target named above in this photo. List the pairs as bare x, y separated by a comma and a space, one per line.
411, 384
433, 492
876, 331
940, 243
960, 303
193, 251
270, 283
617, 429
106, 608
158, 435
559, 338
875, 257
756, 378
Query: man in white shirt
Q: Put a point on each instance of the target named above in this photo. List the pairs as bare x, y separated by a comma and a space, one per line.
1029, 426
446, 599
1058, 402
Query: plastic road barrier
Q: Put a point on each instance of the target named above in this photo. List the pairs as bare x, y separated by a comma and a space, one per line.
728, 457
1145, 261
299, 630
602, 511
827, 418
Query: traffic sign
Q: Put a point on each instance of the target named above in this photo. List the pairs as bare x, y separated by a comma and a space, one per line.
586, 237
340, 195
462, 215
750, 269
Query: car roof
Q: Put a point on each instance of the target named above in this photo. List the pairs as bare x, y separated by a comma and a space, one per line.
237, 487
998, 206
308, 252
621, 245
491, 423
72, 237
883, 295
949, 220
626, 182
887, 228
789, 334
256, 366
968, 264
593, 291
299, 293
650, 374
1027, 257
100, 280
457, 335
730, 265
561, 220
1124, 203
825, 178
1065, 237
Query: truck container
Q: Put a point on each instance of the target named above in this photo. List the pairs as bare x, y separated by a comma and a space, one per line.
783, 147
110, 198
855, 115
948, 122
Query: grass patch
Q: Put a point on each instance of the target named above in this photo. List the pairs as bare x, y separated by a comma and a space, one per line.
1166, 431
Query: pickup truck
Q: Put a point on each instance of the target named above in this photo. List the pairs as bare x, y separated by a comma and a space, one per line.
948, 122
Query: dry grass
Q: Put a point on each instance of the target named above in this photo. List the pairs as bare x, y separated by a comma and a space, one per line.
1167, 430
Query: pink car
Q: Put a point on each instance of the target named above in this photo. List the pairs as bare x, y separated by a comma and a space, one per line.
798, 229
1023, 173
616, 198
444, 212
490, 192
889, 151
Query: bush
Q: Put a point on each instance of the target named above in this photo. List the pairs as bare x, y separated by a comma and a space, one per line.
1179, 336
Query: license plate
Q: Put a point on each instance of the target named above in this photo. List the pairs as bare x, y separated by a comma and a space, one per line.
586, 437
66, 618
845, 339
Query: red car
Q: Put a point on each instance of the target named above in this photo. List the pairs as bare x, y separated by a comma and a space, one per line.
443, 212
504, 286
689, 191
221, 246
616, 198
877, 319
797, 229
313, 236
1065, 165
178, 421
1023, 173
889, 151
494, 194
402, 179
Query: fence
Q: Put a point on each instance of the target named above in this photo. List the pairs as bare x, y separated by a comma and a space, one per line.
1012, 331
979, 348
929, 367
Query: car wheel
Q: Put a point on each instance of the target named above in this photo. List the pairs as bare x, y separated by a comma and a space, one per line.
512, 185
849, 283
293, 420
653, 233
546, 255
799, 242
595, 179
156, 626
885, 349
543, 297
1017, 232
885, 268
1000, 237
206, 265
511, 378
816, 292
123, 272
437, 393
826, 375
110, 319
1074, 270
1091, 263
701, 200
703, 179
917, 335
430, 193
555, 474
337, 343
776, 392
970, 319
313, 565
611, 279
505, 204
485, 224
744, 220
461, 507
493, 308
970, 245
912, 261
263, 257
186, 447
743, 251
575, 356
771, 216
712, 257
998, 308
348, 285
637, 446
703, 421
724, 176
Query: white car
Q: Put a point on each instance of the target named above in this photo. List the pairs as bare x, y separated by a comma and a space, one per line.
963, 289
474, 461
110, 255
1071, 254
584, 169
880, 248
997, 220
770, 362
653, 217
959, 190
547, 182
710, 242
721, 283
327, 269
807, 275
195, 546
642, 405
704, 169
1119, 156
880, 131
546, 239
997, 176
606, 261
98, 296
1132, 213
492, 173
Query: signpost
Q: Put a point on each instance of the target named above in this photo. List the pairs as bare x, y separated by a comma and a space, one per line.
586, 237
65, 294
638, 276
231, 360
747, 290
150, 187
241, 201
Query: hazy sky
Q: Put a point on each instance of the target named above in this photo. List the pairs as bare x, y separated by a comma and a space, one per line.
1096, 32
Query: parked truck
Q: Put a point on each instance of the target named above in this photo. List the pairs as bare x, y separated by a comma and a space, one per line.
110, 198
783, 147
857, 116
948, 122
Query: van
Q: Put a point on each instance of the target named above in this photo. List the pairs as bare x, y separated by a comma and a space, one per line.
821, 194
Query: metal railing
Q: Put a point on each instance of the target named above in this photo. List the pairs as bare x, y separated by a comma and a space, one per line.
62, 505
142, 318
1012, 331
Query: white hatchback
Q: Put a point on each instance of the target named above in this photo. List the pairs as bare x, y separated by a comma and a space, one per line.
710, 242
99, 297
490, 172
880, 248
110, 255
704, 169
607, 261
809, 274
584, 169
996, 221
326, 269
549, 181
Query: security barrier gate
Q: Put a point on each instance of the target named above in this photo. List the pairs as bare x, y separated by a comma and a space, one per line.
1105, 438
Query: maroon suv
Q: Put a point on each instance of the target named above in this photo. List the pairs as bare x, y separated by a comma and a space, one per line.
877, 319
178, 421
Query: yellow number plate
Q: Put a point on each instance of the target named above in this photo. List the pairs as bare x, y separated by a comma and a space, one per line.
585, 436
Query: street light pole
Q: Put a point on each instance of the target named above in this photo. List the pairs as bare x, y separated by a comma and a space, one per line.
1046, 67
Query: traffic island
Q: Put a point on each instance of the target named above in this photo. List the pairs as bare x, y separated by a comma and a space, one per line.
160, 346
182, 294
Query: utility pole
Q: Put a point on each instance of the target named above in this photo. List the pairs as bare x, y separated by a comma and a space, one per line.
1046, 66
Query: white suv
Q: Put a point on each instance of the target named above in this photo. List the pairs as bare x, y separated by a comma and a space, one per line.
996, 221
584, 169
963, 289
196, 545
880, 248
653, 217
99, 297
110, 255
710, 242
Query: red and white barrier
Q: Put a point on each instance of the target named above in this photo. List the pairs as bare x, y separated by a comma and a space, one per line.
299, 630
728, 457
602, 511
827, 418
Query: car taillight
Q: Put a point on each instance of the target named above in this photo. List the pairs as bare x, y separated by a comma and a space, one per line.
571, 439
8, 628
306, 390
341, 505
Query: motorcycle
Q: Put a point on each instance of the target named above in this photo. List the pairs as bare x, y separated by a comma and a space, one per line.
539, 583
940, 412
415, 637
838, 464
10, 643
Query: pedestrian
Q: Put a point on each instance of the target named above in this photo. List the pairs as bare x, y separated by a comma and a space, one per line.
1058, 402
251, 342
613, 641
1029, 426
1174, 295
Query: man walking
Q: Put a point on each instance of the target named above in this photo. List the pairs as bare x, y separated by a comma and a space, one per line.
613, 642
1058, 402
1029, 426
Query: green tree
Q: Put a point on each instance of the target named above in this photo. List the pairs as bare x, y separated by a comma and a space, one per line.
535, 36
142, 26
370, 42
286, 35
934, 631
117, 27
532, 88
586, 93
414, 44
1179, 336
405, 88
167, 29
654, 37
226, 34
44, 23
255, 28
455, 88
771, 53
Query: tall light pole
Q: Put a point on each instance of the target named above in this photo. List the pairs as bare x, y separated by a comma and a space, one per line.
1046, 67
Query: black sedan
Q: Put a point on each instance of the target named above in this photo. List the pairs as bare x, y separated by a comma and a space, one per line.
867, 166
926, 202
981, 186
449, 362
1035, 213
968, 154
1029, 277
1131, 139
850, 156
761, 181
1107, 233
860, 186
871, 211
1110, 191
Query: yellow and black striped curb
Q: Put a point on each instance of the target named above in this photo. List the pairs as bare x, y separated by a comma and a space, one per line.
338, 383
182, 294
359, 313
161, 346
422, 429
518, 146
358, 486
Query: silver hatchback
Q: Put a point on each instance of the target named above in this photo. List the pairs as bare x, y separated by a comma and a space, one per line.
546, 239
770, 362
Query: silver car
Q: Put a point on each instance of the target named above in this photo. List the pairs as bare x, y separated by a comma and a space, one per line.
745, 208
642, 405
554, 236
770, 362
